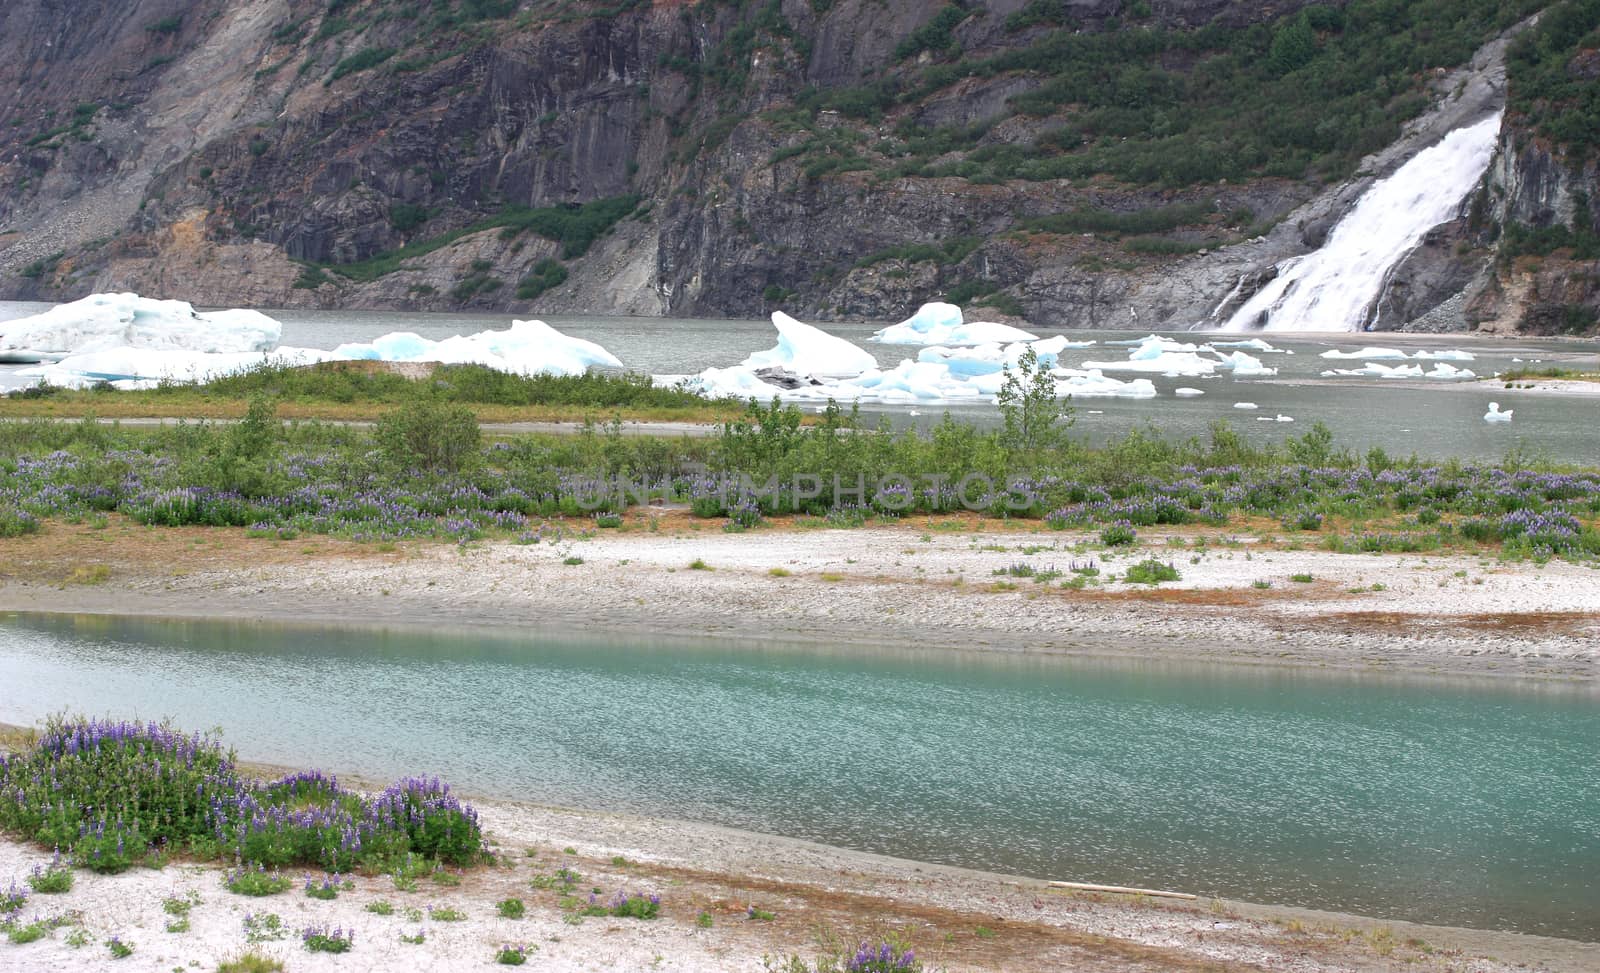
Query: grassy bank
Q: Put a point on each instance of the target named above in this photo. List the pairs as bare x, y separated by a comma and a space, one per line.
364, 390
425, 470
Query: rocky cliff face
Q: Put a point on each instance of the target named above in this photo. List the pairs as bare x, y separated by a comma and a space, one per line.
842, 158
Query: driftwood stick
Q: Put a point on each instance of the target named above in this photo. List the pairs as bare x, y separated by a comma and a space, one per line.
1120, 890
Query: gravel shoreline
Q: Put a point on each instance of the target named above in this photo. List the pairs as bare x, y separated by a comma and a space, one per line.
819, 897
932, 586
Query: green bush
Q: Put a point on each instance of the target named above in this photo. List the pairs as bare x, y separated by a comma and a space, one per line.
362, 61
1152, 572
545, 275
429, 435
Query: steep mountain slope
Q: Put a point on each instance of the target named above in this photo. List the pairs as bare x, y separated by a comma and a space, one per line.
1083, 162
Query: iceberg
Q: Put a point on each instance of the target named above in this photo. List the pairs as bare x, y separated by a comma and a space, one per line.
133, 342
102, 322
1071, 383
145, 367
938, 323
1184, 363
811, 351
1254, 344
1444, 372
1454, 354
1375, 370
1165, 356
1245, 405
991, 357
1367, 354
736, 382
1167, 344
1187, 392
1243, 365
527, 347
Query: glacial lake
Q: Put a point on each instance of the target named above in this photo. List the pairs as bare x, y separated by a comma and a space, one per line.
1436, 420
1441, 801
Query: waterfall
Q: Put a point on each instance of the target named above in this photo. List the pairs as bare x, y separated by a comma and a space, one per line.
1330, 289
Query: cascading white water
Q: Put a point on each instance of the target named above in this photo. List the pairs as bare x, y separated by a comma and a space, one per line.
1330, 289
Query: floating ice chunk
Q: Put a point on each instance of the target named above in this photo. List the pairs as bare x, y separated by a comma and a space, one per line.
1184, 363
812, 351
1159, 356
938, 323
1071, 383
1495, 415
981, 360
1058, 344
1154, 346
736, 382
1453, 354
1366, 354
1186, 392
527, 347
1243, 365
1446, 372
920, 328
101, 322
1278, 418
1161, 342
157, 365
1375, 370
1245, 405
1254, 344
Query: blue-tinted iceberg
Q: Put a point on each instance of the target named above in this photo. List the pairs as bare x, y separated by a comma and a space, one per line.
938, 323
102, 322
807, 350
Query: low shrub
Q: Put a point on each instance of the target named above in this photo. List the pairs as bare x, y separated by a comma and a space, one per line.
1150, 571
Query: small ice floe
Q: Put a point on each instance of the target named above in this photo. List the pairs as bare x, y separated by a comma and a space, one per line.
1244, 405
1367, 354
1186, 391
938, 323
1097, 412
1495, 415
1243, 365
1453, 354
1254, 344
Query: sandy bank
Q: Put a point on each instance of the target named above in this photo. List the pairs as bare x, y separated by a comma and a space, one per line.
929, 583
821, 899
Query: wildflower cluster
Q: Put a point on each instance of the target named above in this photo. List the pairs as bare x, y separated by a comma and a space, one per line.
254, 881
509, 955
52, 879
624, 906
325, 939
335, 482
884, 959
328, 888
111, 793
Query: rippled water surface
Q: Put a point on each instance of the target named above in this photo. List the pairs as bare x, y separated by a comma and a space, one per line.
1436, 801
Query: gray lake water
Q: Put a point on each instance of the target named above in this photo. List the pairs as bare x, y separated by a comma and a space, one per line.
1431, 419
1461, 803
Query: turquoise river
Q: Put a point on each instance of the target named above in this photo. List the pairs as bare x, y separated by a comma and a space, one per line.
1454, 802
